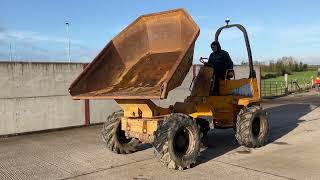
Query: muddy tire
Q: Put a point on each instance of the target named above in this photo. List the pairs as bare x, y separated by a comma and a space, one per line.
114, 138
177, 141
252, 127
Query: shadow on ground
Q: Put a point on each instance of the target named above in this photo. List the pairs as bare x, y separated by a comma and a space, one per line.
282, 120
144, 147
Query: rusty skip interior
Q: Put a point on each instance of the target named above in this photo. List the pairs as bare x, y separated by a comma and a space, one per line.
146, 60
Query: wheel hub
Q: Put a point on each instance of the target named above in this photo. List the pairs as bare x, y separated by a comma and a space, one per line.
256, 127
181, 142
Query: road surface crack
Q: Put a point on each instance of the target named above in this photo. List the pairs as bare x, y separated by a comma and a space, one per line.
251, 169
104, 169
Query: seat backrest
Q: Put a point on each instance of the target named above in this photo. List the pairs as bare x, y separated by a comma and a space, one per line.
202, 82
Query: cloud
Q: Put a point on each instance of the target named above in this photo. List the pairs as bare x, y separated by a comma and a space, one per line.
36, 46
30, 36
299, 33
298, 40
2, 29
313, 60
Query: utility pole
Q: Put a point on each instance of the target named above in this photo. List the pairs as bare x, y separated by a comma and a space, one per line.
10, 53
68, 36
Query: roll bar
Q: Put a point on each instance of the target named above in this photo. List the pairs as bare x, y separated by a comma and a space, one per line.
245, 34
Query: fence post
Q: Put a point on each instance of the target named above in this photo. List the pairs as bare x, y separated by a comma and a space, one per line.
264, 89
270, 89
286, 85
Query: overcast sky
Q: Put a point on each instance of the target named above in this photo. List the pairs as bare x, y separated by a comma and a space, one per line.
36, 30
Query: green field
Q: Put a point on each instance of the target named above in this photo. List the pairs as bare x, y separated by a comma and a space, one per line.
295, 76
276, 86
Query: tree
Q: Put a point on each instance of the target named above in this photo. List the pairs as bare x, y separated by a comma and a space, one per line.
305, 67
283, 65
300, 66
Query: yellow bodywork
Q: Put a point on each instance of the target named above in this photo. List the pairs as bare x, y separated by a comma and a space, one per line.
142, 117
141, 128
141, 108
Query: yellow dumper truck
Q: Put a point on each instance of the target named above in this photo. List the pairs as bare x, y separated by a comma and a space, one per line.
147, 60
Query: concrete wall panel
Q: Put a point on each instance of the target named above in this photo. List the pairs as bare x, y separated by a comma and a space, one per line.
101, 109
19, 115
36, 79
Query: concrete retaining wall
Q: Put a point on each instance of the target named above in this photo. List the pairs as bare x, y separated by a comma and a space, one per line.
36, 79
34, 96
18, 115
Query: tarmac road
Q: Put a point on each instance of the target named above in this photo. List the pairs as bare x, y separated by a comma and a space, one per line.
292, 153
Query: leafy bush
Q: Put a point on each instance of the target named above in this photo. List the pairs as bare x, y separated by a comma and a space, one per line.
269, 76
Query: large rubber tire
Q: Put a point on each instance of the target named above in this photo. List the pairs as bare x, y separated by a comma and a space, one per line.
177, 141
114, 138
252, 127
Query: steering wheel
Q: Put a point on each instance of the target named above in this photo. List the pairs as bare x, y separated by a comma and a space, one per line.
202, 60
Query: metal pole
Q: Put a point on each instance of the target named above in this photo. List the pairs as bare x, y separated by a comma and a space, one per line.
10, 54
68, 35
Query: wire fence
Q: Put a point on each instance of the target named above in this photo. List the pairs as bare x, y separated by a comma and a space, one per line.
270, 88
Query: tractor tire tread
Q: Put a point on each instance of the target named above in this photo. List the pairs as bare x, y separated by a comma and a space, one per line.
109, 136
243, 127
162, 139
